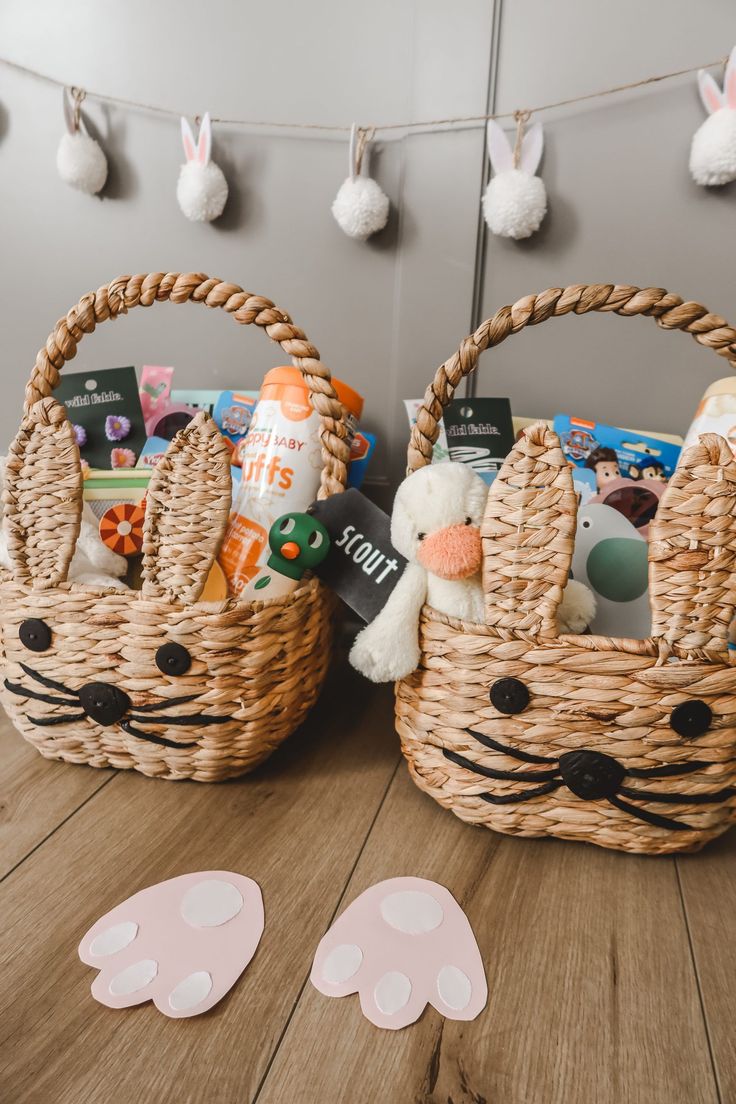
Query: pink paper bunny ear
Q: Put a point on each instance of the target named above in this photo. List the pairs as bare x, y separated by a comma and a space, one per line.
710, 93
531, 149
204, 146
729, 84
499, 149
187, 139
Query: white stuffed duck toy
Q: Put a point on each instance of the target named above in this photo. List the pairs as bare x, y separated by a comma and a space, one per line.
436, 524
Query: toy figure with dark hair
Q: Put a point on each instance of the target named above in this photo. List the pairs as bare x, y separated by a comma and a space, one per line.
604, 462
652, 469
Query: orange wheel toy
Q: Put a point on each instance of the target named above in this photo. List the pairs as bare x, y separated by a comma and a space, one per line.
121, 528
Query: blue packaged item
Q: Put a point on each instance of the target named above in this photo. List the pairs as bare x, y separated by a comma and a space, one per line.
583, 480
610, 452
232, 411
152, 451
361, 451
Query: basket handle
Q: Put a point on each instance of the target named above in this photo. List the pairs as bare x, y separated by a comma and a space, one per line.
126, 292
669, 311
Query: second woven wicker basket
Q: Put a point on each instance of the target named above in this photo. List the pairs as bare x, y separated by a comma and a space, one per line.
630, 744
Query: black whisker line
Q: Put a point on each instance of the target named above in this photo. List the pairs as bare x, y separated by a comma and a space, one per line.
153, 706
713, 798
48, 682
197, 719
650, 818
526, 795
16, 688
45, 722
128, 727
515, 753
491, 772
668, 770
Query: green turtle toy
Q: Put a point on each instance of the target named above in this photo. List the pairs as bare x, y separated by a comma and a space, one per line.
297, 542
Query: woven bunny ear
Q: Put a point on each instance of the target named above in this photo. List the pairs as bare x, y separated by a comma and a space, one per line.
528, 534
187, 507
43, 496
692, 554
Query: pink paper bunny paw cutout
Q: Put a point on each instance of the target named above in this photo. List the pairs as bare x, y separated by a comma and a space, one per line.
402, 944
182, 943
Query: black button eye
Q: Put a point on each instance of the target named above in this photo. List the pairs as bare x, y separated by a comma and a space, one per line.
691, 718
173, 659
509, 695
35, 635
421, 536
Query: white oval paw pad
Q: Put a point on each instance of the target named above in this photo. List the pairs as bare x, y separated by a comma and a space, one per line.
133, 978
341, 963
191, 991
211, 903
114, 939
454, 988
412, 912
392, 992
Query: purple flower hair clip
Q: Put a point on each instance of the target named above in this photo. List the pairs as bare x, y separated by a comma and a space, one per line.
117, 427
80, 435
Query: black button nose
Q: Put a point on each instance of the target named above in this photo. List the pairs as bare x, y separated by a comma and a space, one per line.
104, 704
590, 774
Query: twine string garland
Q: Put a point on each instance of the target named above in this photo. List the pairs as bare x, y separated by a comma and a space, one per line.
78, 95
522, 118
376, 128
363, 136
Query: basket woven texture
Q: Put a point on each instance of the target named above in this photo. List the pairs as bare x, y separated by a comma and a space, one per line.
630, 744
254, 669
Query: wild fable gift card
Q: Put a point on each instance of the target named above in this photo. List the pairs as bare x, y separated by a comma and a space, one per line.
480, 433
105, 409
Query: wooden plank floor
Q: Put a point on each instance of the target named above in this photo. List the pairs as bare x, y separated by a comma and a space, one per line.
611, 977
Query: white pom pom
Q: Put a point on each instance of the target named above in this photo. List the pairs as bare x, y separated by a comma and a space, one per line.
201, 191
81, 163
577, 608
713, 150
360, 207
514, 204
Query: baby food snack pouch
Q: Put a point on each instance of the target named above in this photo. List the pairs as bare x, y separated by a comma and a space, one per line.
281, 463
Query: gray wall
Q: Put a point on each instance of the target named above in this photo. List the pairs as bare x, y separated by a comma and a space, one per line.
622, 206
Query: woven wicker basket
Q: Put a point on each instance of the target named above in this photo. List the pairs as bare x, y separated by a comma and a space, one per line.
246, 673
629, 744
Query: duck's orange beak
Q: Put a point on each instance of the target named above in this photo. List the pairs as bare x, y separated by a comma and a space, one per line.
452, 553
